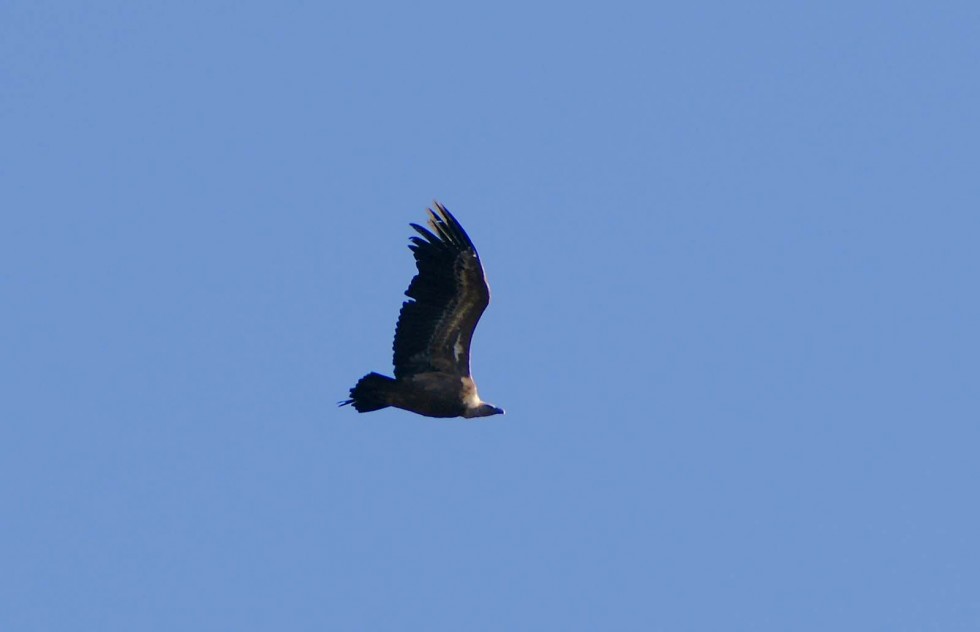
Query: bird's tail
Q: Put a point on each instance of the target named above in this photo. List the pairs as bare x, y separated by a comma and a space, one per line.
370, 393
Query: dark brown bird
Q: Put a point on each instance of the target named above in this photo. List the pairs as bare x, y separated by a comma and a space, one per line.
434, 330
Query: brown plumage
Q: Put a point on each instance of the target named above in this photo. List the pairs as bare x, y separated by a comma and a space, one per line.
434, 330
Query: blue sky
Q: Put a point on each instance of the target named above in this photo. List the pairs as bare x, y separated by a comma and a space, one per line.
733, 250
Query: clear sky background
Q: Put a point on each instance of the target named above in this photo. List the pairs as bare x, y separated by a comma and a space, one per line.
733, 249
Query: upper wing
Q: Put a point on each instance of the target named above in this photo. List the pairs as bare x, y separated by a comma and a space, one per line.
450, 293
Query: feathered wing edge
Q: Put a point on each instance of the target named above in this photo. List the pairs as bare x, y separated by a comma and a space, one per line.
450, 294
448, 228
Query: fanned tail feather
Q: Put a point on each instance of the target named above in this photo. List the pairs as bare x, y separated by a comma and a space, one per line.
370, 393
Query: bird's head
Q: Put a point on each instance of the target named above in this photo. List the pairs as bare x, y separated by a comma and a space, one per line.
484, 410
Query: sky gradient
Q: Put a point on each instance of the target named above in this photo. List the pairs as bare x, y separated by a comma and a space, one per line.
733, 256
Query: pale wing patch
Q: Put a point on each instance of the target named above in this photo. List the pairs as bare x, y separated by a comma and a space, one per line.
458, 349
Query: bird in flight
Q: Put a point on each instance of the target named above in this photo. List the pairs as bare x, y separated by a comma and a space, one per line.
434, 330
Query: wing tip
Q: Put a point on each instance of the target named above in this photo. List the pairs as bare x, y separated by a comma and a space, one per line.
448, 227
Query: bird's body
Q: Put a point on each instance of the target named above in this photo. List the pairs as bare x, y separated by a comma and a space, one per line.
434, 330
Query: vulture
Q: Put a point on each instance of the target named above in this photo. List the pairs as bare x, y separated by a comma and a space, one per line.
434, 330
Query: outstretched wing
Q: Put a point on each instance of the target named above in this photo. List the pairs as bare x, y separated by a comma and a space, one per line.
449, 295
